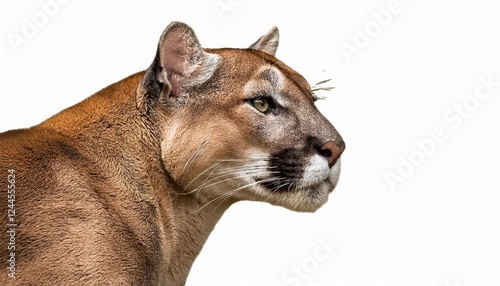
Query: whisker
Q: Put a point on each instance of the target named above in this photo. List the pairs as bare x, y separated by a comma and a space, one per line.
227, 171
191, 159
240, 169
200, 174
318, 87
246, 167
244, 175
226, 195
286, 182
290, 182
244, 159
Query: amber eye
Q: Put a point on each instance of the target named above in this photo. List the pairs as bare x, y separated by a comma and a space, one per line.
261, 104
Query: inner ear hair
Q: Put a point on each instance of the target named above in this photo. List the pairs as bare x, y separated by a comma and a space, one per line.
179, 51
180, 62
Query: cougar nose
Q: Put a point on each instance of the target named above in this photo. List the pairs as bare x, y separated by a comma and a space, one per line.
332, 151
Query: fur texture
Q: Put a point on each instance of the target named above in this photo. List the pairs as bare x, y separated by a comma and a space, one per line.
125, 187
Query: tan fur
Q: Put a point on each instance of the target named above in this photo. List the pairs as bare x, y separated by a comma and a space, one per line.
125, 187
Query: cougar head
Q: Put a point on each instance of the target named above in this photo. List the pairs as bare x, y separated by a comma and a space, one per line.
238, 124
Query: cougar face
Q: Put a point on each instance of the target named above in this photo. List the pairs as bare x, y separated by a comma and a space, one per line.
241, 125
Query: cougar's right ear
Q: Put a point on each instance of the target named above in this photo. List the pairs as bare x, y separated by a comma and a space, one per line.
268, 43
180, 62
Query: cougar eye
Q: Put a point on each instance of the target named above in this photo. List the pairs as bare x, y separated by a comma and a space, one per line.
261, 104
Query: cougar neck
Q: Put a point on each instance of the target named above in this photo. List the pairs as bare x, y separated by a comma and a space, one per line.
194, 221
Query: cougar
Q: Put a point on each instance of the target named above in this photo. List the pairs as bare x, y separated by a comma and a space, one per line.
124, 187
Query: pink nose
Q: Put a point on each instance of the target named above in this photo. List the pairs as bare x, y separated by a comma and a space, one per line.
332, 151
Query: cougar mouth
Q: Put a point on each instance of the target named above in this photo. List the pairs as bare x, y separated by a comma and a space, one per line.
291, 185
315, 177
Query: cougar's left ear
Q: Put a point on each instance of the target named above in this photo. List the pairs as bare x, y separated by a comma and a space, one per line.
269, 42
180, 62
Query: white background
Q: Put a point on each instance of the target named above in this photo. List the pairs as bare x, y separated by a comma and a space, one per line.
440, 223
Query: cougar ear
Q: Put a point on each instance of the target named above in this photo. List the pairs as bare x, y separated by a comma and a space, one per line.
180, 62
269, 42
